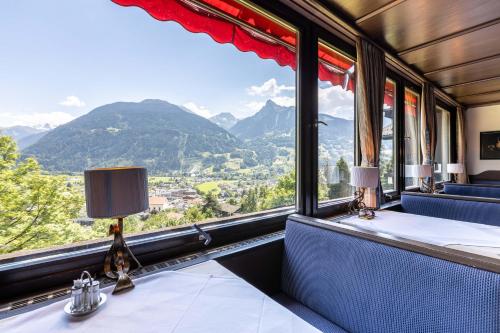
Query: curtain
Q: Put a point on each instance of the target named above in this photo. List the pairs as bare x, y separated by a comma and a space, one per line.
369, 108
428, 129
461, 145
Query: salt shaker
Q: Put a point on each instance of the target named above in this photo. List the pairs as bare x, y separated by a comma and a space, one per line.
76, 296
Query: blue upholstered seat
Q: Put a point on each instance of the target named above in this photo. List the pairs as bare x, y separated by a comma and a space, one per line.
313, 318
472, 190
363, 286
452, 208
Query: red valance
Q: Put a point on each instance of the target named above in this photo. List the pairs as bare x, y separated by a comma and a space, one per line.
248, 29
411, 104
389, 93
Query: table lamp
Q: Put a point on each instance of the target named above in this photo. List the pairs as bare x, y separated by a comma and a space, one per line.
420, 172
455, 169
363, 178
116, 193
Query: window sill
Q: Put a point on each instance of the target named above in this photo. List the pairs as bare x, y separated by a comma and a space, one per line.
26, 273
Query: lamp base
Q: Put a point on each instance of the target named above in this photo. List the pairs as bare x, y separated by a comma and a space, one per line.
117, 262
366, 213
357, 206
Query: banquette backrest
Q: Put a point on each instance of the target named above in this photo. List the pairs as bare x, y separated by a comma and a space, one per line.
454, 207
473, 190
367, 286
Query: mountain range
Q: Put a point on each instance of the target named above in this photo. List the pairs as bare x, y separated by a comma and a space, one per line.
25, 135
226, 120
165, 137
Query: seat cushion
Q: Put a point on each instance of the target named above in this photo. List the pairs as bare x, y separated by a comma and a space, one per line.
313, 318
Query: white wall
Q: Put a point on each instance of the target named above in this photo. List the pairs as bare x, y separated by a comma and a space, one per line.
480, 119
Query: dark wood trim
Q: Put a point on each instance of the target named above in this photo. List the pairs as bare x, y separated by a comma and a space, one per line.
463, 64
379, 10
307, 122
472, 82
480, 94
476, 105
440, 252
450, 36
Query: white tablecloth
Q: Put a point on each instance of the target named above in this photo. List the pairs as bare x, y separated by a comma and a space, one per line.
171, 302
474, 237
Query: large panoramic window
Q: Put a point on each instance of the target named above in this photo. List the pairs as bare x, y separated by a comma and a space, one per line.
387, 151
210, 115
442, 157
411, 138
336, 127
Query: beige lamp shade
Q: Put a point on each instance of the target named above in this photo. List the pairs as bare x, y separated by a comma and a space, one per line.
116, 192
417, 170
455, 168
367, 177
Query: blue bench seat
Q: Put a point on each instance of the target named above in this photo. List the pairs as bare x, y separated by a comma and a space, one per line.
342, 283
473, 190
453, 207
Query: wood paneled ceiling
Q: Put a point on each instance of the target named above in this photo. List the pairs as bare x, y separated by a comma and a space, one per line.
454, 43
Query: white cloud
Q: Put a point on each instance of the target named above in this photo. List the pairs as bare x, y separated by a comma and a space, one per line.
72, 101
255, 106
335, 101
284, 100
270, 88
8, 119
198, 109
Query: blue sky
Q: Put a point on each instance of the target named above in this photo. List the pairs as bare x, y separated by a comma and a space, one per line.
61, 59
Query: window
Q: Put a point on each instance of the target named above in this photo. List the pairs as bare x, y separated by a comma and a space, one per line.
111, 86
412, 133
336, 133
442, 157
387, 151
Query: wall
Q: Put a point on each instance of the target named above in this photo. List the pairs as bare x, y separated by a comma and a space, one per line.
480, 119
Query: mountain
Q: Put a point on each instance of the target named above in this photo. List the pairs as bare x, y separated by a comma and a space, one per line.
271, 120
226, 120
153, 133
274, 121
21, 132
30, 139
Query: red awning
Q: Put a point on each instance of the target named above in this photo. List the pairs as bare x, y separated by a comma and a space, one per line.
389, 93
248, 29
411, 104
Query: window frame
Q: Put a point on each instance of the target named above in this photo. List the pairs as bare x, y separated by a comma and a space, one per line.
25, 273
334, 206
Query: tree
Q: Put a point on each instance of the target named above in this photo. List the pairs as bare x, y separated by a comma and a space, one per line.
36, 210
211, 208
342, 189
283, 194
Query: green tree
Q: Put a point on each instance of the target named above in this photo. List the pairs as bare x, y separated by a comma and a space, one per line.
342, 189
211, 208
249, 201
283, 194
36, 210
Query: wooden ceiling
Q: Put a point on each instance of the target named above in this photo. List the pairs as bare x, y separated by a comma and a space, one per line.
454, 43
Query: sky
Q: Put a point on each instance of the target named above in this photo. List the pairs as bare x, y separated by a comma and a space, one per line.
61, 59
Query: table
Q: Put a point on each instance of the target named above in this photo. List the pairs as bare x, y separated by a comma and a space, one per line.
472, 237
189, 301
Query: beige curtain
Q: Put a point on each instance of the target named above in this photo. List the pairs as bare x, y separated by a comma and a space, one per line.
428, 128
461, 145
370, 85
